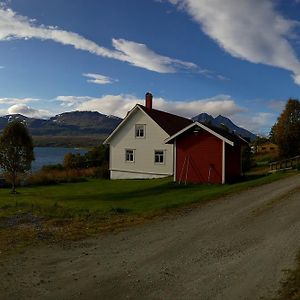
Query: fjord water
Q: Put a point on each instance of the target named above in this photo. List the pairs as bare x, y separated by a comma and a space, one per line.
52, 155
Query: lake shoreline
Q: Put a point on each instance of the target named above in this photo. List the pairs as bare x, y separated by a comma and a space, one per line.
68, 141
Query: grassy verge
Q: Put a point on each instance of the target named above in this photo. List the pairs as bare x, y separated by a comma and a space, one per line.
72, 211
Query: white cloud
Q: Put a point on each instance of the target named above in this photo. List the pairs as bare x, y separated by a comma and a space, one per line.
14, 26
98, 79
2, 67
140, 55
119, 105
251, 30
218, 105
28, 111
11, 101
71, 101
260, 122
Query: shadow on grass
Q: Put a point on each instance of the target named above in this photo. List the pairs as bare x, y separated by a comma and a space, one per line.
151, 192
250, 177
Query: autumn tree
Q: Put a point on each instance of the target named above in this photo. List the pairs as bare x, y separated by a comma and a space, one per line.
16, 151
286, 131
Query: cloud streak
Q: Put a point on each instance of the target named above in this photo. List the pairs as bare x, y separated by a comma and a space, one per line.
98, 79
119, 105
250, 30
14, 26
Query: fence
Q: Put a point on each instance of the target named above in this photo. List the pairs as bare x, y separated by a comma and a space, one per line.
285, 164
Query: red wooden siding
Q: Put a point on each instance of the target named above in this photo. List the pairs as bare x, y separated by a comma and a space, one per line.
198, 157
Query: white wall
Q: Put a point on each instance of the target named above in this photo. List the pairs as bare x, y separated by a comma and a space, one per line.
144, 150
133, 175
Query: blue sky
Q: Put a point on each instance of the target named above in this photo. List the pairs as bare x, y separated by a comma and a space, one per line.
238, 58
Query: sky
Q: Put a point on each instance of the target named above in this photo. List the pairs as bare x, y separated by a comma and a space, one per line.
237, 58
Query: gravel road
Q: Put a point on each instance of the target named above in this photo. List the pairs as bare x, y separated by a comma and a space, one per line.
235, 247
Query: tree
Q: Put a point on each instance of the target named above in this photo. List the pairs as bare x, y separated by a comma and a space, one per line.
73, 161
96, 157
286, 131
99, 155
16, 151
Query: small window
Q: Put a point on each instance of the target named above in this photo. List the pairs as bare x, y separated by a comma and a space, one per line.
263, 148
272, 148
159, 157
129, 155
140, 131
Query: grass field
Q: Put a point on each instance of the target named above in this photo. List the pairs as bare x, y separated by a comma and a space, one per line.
73, 211
101, 197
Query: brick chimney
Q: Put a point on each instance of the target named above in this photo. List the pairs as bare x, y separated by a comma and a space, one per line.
148, 100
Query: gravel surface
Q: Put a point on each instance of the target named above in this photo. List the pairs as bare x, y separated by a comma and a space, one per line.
232, 248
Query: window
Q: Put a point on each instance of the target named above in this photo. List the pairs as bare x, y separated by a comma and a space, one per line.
129, 155
140, 130
159, 157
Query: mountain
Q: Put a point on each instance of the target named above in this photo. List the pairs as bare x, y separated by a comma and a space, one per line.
89, 123
76, 123
221, 121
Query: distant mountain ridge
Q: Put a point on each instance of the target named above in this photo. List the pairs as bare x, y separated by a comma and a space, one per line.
84, 123
221, 121
73, 123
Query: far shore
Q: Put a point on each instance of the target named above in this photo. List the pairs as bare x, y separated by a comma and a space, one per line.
68, 141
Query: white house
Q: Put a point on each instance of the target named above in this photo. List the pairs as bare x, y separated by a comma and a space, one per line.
137, 145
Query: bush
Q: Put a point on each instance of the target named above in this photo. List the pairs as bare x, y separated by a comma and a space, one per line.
96, 157
49, 176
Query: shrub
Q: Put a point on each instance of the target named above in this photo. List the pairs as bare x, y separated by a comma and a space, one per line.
53, 176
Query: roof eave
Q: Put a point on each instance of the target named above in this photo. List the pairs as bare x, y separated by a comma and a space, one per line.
174, 136
107, 140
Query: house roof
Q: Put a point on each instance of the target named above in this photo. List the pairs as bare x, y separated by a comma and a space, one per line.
168, 122
237, 139
227, 137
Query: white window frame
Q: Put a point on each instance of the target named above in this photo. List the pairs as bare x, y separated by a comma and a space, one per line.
163, 156
138, 127
133, 156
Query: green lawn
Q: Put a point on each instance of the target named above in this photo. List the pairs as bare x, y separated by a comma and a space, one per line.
74, 211
104, 197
